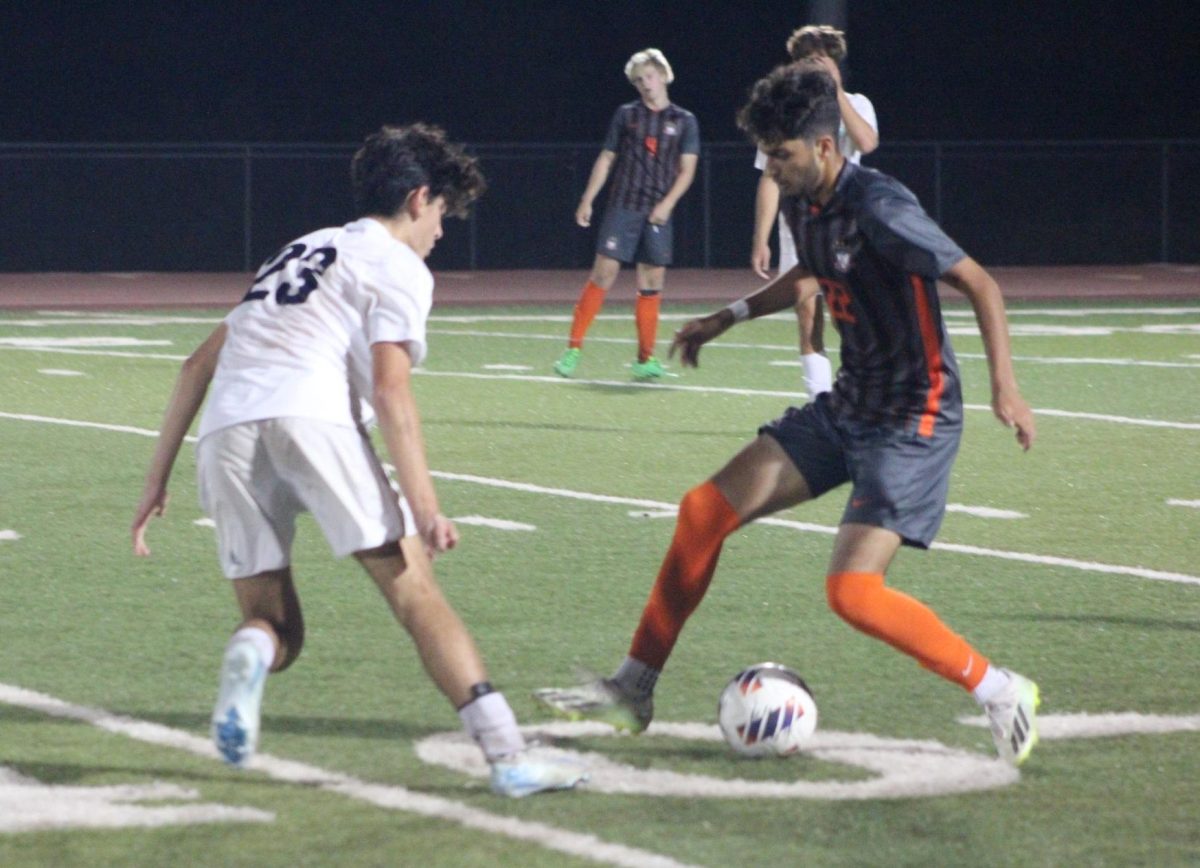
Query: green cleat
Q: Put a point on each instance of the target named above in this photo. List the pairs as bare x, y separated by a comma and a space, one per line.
651, 369
600, 700
567, 362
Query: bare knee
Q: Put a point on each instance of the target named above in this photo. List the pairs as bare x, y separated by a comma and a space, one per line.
404, 575
605, 271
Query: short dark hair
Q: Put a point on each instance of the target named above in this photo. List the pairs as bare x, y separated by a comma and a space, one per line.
397, 160
793, 102
817, 39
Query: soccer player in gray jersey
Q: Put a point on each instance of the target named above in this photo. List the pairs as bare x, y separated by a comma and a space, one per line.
890, 427
336, 321
651, 149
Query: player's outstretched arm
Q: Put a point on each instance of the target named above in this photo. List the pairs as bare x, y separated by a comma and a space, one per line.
969, 278
190, 388
399, 422
775, 296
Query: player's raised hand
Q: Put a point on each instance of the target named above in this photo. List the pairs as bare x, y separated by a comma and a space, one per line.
695, 334
154, 502
1010, 408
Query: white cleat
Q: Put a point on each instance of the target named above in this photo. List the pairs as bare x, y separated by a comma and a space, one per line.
523, 775
1012, 715
236, 715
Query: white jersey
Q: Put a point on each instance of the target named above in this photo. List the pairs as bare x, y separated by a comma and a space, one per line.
299, 343
846, 145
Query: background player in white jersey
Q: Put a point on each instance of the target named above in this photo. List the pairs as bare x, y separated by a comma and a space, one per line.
823, 47
330, 332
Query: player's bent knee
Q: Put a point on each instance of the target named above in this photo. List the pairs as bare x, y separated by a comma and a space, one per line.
853, 596
291, 640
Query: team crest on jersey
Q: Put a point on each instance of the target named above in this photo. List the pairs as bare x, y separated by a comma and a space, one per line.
670, 129
845, 247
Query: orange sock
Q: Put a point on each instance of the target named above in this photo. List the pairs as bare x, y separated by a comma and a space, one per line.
705, 519
589, 304
645, 313
906, 624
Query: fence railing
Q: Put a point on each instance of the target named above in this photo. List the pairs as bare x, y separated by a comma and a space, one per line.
227, 206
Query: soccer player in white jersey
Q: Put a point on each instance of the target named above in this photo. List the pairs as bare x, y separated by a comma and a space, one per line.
328, 334
823, 47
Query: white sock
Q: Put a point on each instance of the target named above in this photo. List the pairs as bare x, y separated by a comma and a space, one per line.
491, 722
994, 680
260, 639
818, 374
636, 678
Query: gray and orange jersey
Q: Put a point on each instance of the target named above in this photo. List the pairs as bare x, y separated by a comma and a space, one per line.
648, 145
877, 256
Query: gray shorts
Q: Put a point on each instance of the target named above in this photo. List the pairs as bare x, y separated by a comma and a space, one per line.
257, 477
629, 236
900, 479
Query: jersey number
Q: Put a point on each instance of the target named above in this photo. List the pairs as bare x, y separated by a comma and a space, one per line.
303, 269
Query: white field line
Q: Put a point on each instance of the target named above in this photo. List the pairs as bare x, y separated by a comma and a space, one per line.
48, 345
1174, 501
679, 387
382, 795
658, 505
791, 348
768, 393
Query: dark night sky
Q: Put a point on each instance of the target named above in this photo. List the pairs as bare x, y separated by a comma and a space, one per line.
175, 71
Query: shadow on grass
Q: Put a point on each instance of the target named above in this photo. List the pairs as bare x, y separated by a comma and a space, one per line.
1113, 620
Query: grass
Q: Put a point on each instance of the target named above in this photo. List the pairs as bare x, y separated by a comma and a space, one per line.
83, 621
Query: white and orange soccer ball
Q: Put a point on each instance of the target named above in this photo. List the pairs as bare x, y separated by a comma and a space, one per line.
766, 710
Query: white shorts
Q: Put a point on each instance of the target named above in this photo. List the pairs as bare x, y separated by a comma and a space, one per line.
787, 247
256, 477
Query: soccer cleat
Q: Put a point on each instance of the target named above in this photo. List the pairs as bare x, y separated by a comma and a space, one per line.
600, 700
568, 362
524, 775
651, 369
236, 715
1013, 718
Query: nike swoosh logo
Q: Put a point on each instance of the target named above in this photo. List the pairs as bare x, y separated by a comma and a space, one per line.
970, 665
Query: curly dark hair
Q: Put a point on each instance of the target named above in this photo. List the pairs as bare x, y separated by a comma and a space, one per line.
397, 160
817, 39
792, 102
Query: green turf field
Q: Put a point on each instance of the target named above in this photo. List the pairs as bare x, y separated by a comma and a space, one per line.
1088, 580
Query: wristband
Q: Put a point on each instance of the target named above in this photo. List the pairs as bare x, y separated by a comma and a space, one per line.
740, 310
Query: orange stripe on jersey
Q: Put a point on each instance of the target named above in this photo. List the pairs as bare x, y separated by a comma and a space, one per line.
933, 357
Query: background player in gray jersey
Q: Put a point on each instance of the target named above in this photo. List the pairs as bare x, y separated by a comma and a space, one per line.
893, 436
651, 149
824, 47
336, 318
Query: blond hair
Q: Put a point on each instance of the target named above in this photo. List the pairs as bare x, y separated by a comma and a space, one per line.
653, 56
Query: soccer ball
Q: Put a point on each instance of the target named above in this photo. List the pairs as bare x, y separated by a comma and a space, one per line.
766, 710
